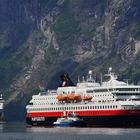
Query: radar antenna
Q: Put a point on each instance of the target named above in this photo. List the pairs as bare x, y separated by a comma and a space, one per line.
110, 69
90, 74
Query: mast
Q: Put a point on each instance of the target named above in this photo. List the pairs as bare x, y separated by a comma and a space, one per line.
101, 78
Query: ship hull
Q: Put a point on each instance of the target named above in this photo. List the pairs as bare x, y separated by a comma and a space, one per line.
1, 115
121, 118
104, 121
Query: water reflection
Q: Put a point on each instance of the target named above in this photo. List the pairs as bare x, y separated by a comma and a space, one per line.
22, 127
84, 131
13, 127
20, 131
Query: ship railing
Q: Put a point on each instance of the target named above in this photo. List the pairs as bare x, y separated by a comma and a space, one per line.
47, 92
130, 91
52, 92
42, 93
88, 103
75, 103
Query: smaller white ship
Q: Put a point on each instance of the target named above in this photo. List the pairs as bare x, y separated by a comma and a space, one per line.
1, 107
69, 120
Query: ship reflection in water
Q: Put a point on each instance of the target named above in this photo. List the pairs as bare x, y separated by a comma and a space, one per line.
84, 131
20, 131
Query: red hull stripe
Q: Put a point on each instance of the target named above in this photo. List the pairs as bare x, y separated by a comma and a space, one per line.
90, 113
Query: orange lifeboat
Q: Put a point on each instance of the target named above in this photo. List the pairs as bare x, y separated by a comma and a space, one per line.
87, 98
77, 96
62, 97
71, 96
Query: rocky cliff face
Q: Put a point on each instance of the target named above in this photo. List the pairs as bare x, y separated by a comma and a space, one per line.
39, 39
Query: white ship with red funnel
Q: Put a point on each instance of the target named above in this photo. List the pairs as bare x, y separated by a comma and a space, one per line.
109, 103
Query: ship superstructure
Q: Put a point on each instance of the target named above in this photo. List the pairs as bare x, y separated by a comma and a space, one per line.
112, 102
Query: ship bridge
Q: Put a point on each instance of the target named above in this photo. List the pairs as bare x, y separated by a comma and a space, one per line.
89, 82
113, 81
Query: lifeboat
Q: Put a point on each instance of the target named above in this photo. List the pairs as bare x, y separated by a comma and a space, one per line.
62, 97
77, 96
73, 96
87, 98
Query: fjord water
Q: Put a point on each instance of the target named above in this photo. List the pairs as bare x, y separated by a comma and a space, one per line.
20, 131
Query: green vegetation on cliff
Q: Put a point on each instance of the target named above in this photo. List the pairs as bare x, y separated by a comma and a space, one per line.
66, 27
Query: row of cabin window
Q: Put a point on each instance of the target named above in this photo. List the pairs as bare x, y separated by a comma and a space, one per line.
102, 95
79, 108
127, 94
119, 89
95, 91
99, 90
61, 103
45, 103
128, 89
45, 98
54, 98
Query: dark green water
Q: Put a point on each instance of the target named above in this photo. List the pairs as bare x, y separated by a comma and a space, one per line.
20, 131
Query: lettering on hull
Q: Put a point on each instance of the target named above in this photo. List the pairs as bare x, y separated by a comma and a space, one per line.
38, 119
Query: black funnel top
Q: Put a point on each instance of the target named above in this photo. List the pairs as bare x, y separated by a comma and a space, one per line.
66, 81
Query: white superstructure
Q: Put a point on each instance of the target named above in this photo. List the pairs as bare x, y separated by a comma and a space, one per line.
1, 107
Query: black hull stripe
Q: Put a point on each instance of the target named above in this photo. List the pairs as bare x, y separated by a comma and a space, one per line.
124, 121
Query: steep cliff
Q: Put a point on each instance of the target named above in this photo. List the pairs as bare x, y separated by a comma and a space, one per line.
40, 39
